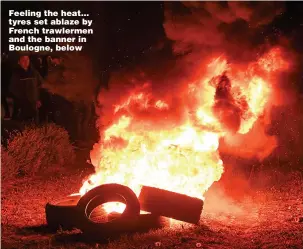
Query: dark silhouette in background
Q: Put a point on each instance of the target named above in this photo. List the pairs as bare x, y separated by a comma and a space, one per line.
25, 88
6, 74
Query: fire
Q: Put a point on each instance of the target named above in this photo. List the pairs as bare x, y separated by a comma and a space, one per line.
273, 61
183, 157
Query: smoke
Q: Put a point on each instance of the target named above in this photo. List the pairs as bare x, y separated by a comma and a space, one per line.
227, 112
229, 201
231, 27
199, 30
235, 29
73, 78
255, 144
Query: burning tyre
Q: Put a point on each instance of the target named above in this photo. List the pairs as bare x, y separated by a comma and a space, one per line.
170, 204
103, 194
83, 212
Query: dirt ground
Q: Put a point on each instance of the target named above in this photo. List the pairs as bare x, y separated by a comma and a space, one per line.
259, 219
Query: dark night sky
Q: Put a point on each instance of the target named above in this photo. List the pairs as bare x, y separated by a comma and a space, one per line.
125, 33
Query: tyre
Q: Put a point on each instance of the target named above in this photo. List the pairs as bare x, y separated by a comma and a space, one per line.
126, 222
83, 213
170, 204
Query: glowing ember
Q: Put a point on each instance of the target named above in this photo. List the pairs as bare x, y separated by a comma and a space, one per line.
182, 158
273, 61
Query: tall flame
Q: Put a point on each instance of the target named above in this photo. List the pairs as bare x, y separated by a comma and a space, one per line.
182, 157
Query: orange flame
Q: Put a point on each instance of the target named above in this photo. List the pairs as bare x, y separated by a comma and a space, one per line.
273, 61
182, 158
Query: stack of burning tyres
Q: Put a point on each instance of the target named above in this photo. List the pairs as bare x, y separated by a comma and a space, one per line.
78, 212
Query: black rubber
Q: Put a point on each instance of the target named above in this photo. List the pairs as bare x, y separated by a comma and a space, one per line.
75, 212
62, 213
103, 194
171, 204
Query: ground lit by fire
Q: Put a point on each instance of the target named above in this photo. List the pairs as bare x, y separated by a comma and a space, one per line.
184, 157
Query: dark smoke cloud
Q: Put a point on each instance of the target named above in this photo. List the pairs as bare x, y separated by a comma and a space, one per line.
232, 27
227, 112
